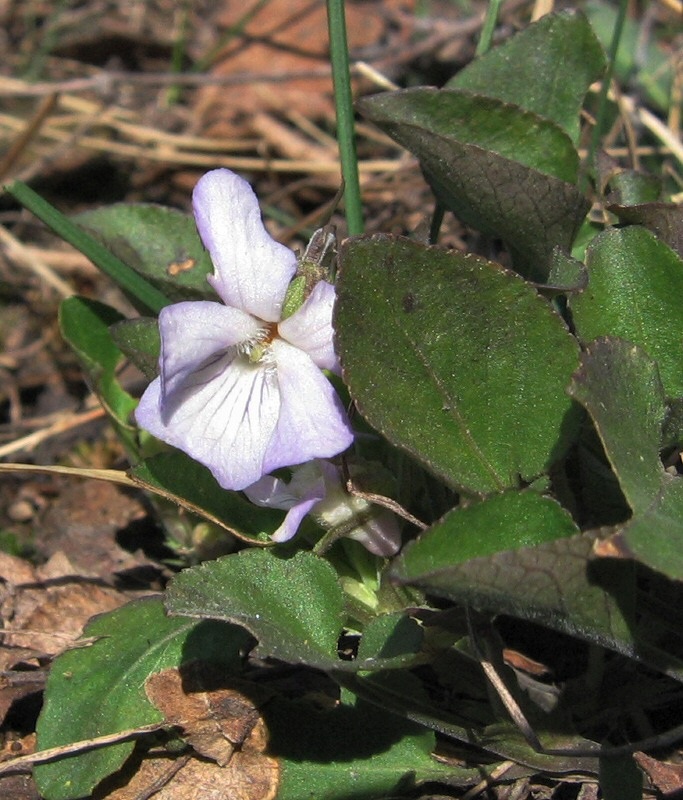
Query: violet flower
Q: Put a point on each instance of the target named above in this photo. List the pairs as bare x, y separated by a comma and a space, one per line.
317, 489
240, 389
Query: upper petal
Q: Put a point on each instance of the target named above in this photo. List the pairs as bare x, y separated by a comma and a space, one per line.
310, 327
195, 335
312, 422
252, 270
223, 416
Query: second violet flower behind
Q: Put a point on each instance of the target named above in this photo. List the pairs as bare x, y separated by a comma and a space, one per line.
240, 389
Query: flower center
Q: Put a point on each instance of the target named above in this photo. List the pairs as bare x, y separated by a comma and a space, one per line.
258, 349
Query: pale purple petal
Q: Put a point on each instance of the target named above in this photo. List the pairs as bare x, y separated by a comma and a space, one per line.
195, 335
293, 519
223, 416
310, 327
271, 492
380, 535
312, 422
305, 490
252, 270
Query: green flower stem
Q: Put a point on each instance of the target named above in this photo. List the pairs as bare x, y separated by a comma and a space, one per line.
606, 82
489, 26
339, 55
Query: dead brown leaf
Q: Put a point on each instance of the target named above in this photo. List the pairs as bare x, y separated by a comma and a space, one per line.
83, 523
665, 776
46, 608
289, 38
220, 723
165, 777
18, 787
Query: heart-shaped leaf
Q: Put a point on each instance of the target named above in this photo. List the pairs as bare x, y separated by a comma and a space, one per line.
546, 68
292, 606
503, 522
483, 161
427, 115
635, 282
456, 360
99, 688
558, 584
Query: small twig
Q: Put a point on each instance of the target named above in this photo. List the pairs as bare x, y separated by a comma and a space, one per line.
379, 499
657, 741
498, 772
511, 705
29, 260
109, 475
66, 423
656, 127
374, 75
45, 107
75, 748
386, 502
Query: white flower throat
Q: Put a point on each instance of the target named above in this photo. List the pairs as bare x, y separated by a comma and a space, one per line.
257, 349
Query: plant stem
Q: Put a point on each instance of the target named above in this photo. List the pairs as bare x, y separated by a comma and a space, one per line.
103, 259
606, 81
339, 56
488, 27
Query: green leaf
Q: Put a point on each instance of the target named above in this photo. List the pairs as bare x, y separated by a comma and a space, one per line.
665, 220
635, 282
502, 522
425, 116
104, 260
455, 360
140, 340
499, 740
99, 689
631, 188
566, 275
162, 244
547, 583
85, 326
561, 585
352, 752
183, 480
292, 606
620, 388
546, 68
483, 161
391, 636
655, 536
